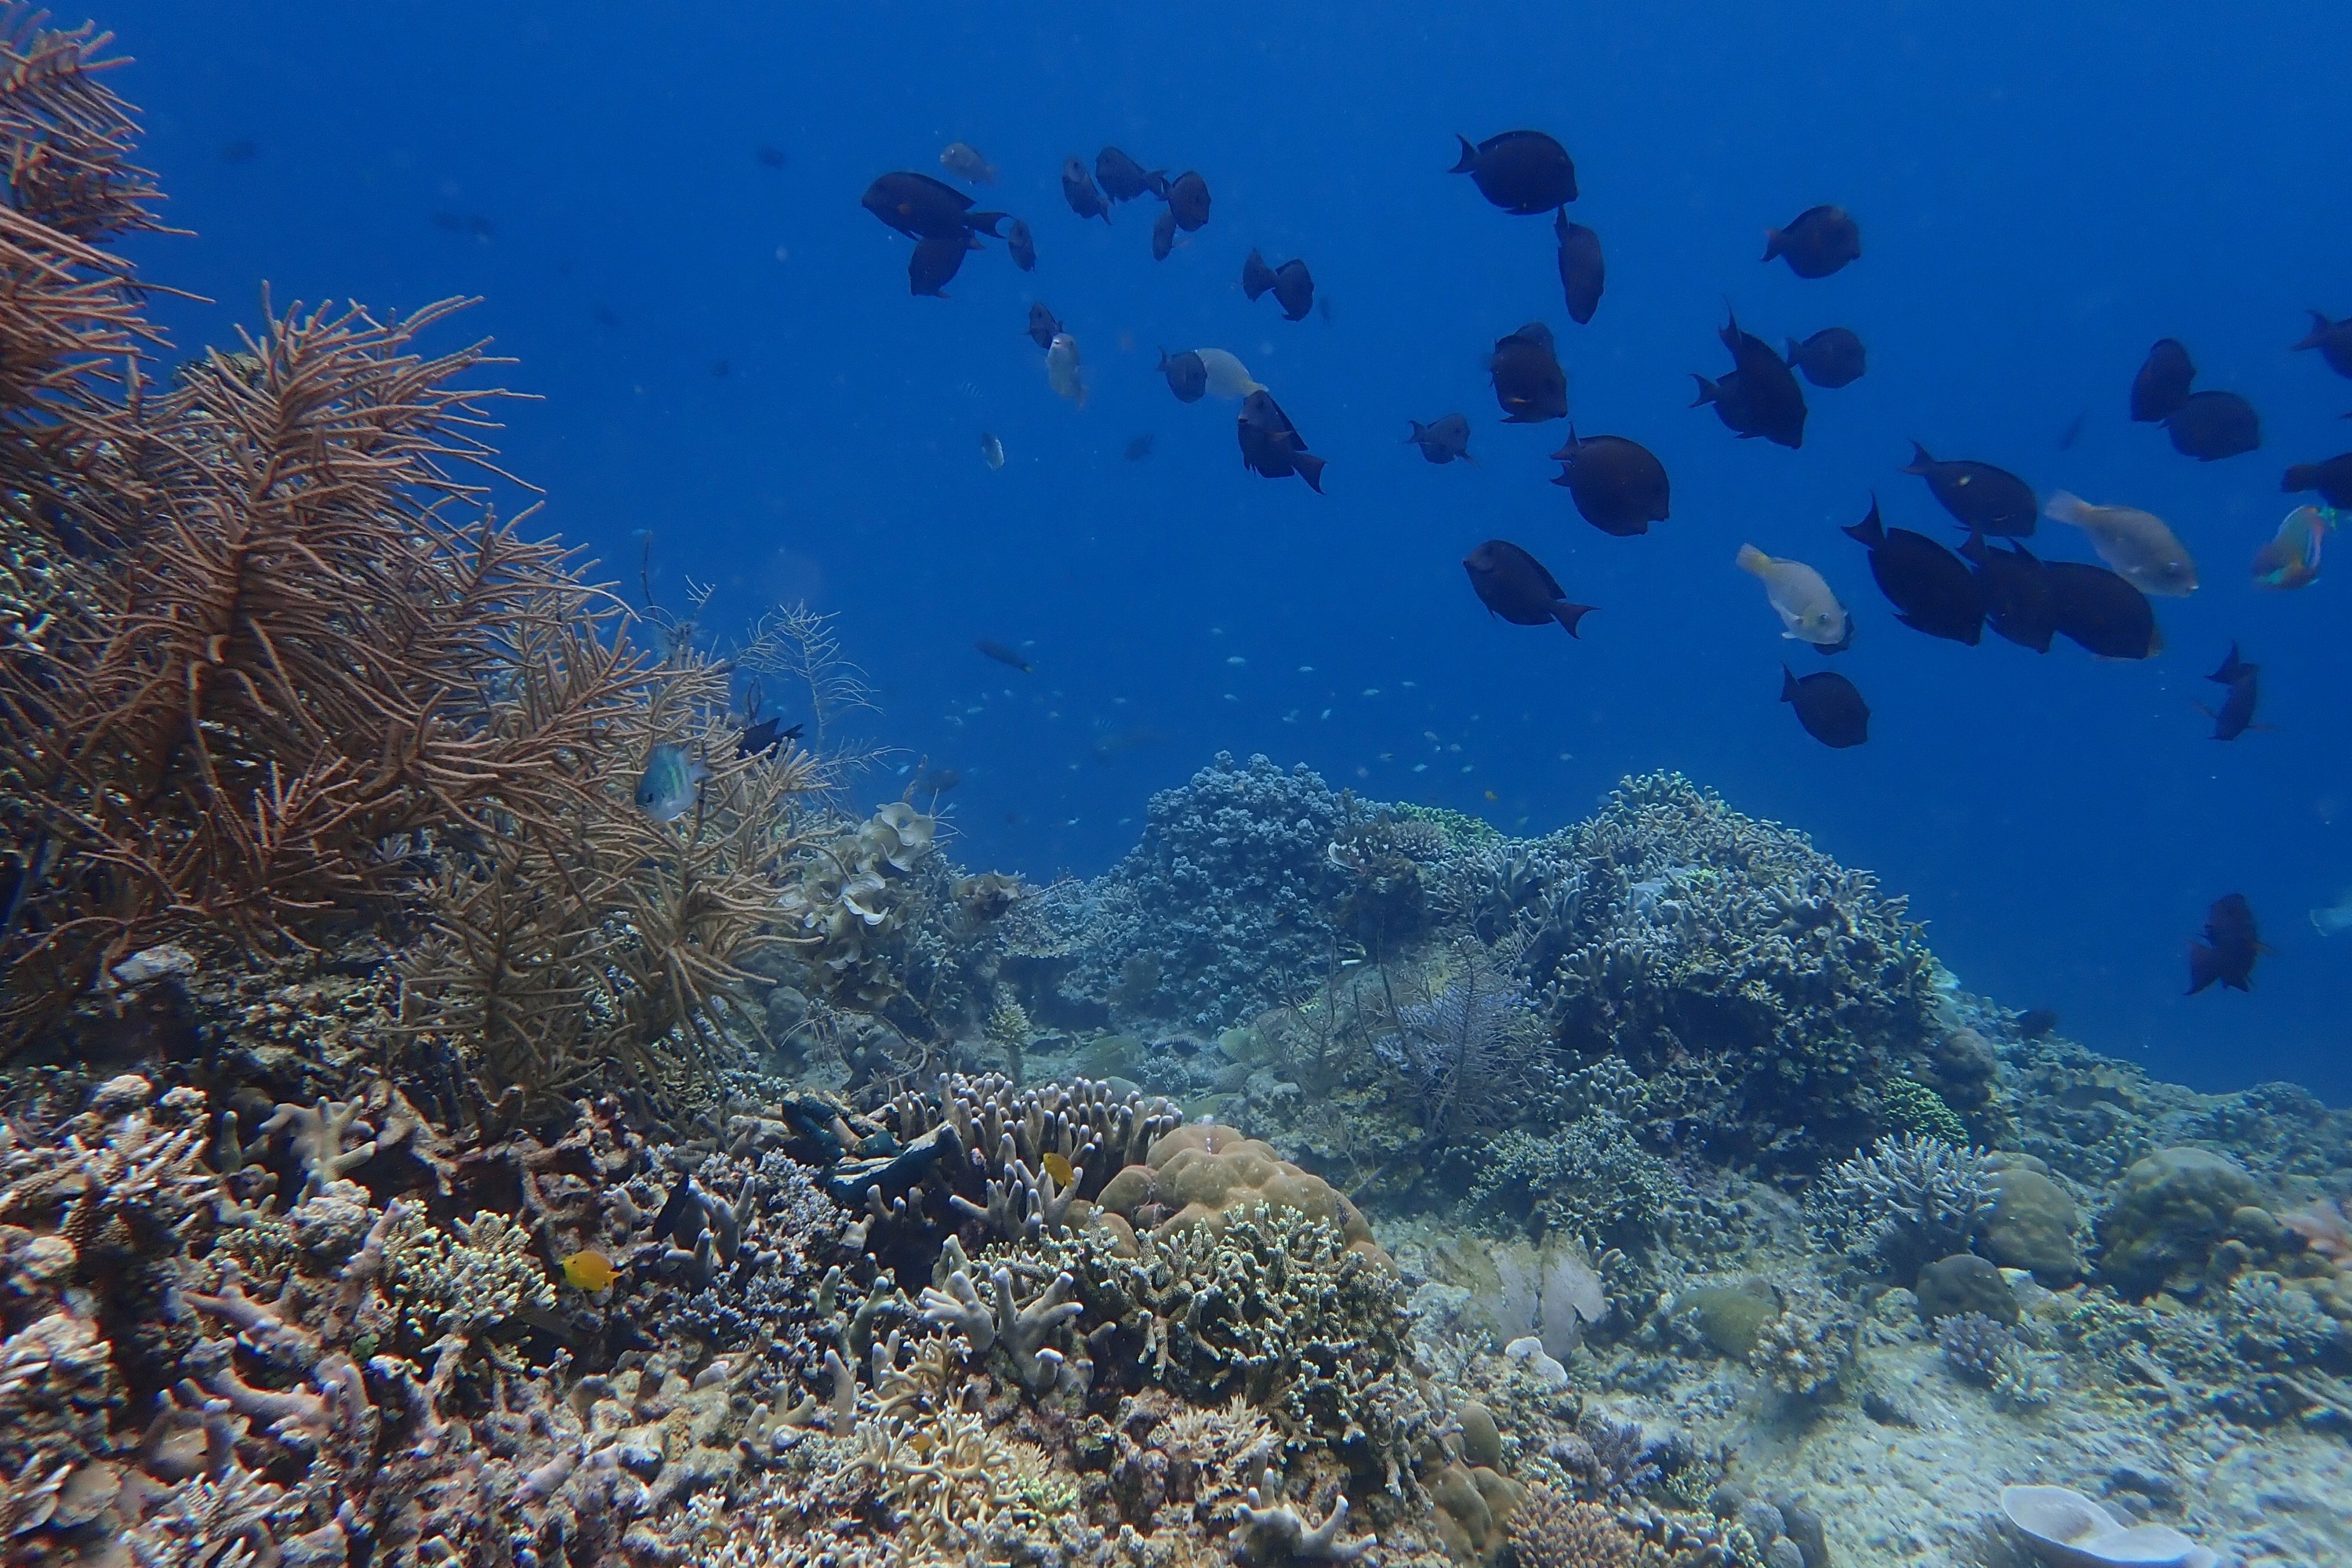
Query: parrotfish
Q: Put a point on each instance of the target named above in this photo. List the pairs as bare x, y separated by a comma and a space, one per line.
1228, 377
2291, 557
2136, 544
1063, 371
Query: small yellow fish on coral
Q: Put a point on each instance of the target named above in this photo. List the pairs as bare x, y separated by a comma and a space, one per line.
1059, 1167
588, 1270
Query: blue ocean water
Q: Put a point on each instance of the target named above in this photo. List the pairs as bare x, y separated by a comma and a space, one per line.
727, 356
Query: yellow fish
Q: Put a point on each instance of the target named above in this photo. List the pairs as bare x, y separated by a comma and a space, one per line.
1059, 1168
588, 1270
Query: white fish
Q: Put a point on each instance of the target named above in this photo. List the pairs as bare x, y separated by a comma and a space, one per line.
1061, 369
991, 450
2337, 918
2136, 544
1809, 611
1228, 377
963, 159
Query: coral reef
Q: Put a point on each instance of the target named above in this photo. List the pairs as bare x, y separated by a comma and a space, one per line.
1910, 1200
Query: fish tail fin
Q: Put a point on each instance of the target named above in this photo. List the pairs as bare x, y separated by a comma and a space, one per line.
1788, 684
2319, 326
1795, 348
1568, 616
986, 223
2064, 506
1774, 242
1469, 156
1708, 391
1973, 547
1870, 530
1919, 459
1256, 277
1751, 560
1466, 456
2204, 967
1311, 468
2299, 476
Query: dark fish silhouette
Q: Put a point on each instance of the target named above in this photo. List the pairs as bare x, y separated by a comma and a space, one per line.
1187, 377
1830, 358
1618, 485
1817, 242
2332, 340
1829, 706
1443, 440
1022, 244
1138, 447
1291, 284
1515, 585
1187, 198
1123, 179
2101, 611
2036, 1022
769, 157
1078, 190
2231, 945
2162, 385
764, 736
938, 781
1528, 381
2072, 433
1523, 172
2211, 425
936, 260
2016, 592
1580, 270
1003, 654
1760, 397
1163, 234
2332, 479
920, 208
1042, 328
1932, 590
1272, 447
1978, 495
2237, 710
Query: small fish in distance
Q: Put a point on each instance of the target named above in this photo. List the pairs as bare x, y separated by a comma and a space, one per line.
1829, 706
1444, 439
991, 451
1516, 586
2211, 425
2136, 543
2016, 592
938, 781
2162, 385
670, 782
1292, 286
1078, 190
1042, 327
2036, 1022
1818, 241
2332, 479
2100, 611
2332, 340
1063, 372
1932, 590
1022, 244
1272, 447
1618, 485
1163, 234
2335, 918
1187, 377
2229, 949
2243, 693
1528, 381
1980, 496
1003, 654
1581, 273
769, 157
1138, 447
1187, 198
1808, 610
1830, 358
962, 160
1123, 179
2290, 558
1522, 172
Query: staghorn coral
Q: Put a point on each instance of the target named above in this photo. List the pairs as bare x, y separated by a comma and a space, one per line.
1909, 1201
456, 1284
1549, 1531
1278, 1534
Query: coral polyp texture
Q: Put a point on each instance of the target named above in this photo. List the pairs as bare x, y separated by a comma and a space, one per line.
426, 1137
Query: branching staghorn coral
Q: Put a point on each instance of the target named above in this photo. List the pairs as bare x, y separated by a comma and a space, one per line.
1909, 1201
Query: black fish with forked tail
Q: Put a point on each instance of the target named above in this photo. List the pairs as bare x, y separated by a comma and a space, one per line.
1003, 654
2236, 714
2229, 949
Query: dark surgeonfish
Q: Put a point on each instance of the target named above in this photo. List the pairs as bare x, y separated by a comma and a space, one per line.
2162, 385
1581, 272
1140, 447
1515, 585
1042, 327
1123, 179
1760, 397
937, 259
2332, 479
1618, 485
1078, 190
1187, 198
2211, 425
1272, 447
2332, 340
1443, 440
1817, 242
920, 208
1979, 496
1022, 244
1292, 286
2016, 592
2243, 691
2101, 611
1003, 654
1187, 374
764, 736
1163, 234
2229, 949
1523, 172
1528, 380
1830, 358
1829, 706
1932, 590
